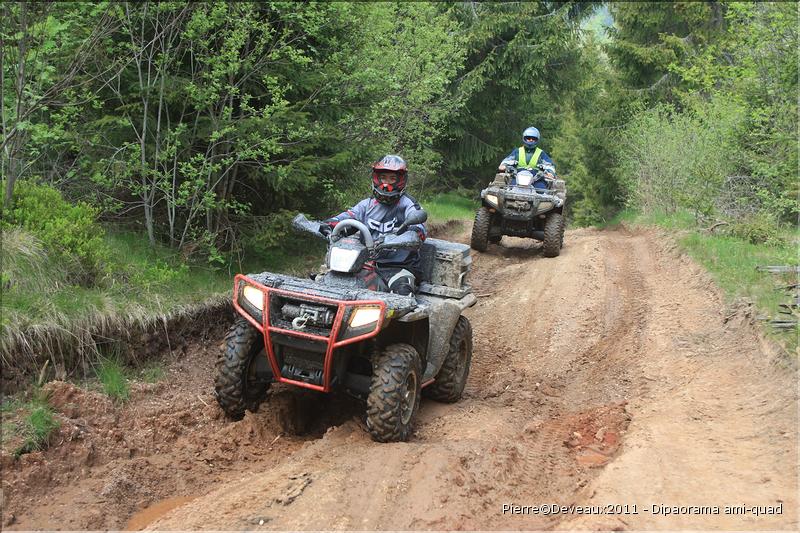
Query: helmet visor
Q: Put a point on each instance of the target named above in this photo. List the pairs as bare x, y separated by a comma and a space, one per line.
529, 139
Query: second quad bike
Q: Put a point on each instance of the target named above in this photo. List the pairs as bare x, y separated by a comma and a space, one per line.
334, 332
511, 205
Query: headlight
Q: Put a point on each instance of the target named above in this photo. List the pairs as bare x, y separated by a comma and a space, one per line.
524, 178
544, 206
342, 259
254, 297
365, 315
491, 198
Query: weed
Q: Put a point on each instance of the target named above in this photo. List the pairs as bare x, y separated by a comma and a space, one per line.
36, 426
113, 378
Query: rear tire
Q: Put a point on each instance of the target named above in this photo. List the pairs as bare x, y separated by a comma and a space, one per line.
452, 377
480, 229
553, 234
394, 394
238, 389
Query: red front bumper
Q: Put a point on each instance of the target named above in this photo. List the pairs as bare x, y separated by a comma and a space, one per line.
331, 341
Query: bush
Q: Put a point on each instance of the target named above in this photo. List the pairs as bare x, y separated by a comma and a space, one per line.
673, 160
761, 228
68, 231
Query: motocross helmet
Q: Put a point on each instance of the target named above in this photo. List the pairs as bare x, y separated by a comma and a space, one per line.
389, 178
530, 137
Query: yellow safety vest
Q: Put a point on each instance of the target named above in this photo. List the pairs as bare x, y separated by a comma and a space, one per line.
534, 160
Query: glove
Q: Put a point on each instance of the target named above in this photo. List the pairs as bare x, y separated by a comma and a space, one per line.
326, 226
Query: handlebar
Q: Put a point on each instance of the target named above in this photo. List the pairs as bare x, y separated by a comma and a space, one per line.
369, 242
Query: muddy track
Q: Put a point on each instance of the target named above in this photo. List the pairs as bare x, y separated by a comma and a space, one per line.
609, 375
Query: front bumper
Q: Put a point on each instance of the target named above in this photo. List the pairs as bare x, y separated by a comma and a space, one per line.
278, 291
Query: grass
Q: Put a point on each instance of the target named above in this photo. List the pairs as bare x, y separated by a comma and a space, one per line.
732, 263
449, 206
113, 378
29, 425
43, 312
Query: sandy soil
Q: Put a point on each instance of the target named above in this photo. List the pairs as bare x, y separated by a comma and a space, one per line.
610, 376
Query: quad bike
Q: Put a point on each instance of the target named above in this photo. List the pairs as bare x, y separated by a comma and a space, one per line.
342, 331
520, 210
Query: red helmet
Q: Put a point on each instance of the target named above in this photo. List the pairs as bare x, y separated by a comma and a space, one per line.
389, 178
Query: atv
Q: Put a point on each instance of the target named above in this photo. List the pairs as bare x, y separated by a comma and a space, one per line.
342, 331
520, 210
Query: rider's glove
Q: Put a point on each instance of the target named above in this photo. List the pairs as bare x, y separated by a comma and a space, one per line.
326, 226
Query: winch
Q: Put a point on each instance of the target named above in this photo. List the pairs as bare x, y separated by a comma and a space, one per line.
308, 315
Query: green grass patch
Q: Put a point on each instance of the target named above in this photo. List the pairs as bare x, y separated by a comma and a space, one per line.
113, 378
671, 221
28, 425
732, 263
39, 425
449, 206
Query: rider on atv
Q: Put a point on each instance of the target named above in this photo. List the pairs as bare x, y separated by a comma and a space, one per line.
388, 209
528, 157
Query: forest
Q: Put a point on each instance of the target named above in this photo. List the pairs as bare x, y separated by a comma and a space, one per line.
151, 145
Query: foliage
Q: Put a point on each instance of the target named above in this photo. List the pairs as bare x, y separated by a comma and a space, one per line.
522, 63
37, 425
113, 378
678, 161
447, 207
69, 231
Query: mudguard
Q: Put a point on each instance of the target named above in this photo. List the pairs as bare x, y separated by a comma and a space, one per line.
443, 315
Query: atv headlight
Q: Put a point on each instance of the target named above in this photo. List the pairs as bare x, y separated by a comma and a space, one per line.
365, 315
254, 297
524, 178
544, 206
492, 199
342, 259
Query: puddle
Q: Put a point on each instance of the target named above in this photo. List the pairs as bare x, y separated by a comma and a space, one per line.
148, 515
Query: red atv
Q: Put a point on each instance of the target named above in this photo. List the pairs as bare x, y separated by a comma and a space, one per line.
334, 332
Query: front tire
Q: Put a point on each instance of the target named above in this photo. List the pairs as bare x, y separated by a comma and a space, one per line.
394, 393
237, 386
553, 234
452, 377
480, 229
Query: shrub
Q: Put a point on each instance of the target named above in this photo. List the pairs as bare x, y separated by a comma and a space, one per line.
761, 228
68, 231
672, 160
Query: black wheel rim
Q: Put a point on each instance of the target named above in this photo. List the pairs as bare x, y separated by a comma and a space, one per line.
409, 398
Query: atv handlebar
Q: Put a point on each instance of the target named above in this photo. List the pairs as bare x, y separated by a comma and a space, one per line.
369, 242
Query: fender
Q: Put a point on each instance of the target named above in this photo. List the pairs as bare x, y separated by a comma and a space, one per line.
443, 315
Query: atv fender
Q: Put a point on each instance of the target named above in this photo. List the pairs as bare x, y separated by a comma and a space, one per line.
443, 314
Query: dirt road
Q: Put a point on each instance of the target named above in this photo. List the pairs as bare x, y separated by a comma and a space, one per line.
611, 375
